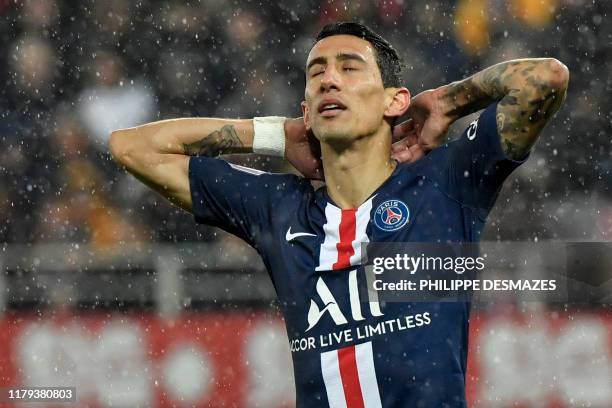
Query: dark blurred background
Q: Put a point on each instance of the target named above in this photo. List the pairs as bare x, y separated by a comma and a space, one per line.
107, 287
73, 71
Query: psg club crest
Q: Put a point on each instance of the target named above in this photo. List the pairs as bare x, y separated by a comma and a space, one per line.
391, 215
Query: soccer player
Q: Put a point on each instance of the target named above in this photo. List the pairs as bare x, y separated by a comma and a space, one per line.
349, 351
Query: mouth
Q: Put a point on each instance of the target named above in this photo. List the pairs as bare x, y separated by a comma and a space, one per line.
330, 108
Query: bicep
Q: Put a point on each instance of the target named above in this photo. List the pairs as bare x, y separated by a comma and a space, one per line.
524, 111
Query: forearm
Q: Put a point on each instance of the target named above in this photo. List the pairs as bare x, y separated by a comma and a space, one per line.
529, 92
141, 147
190, 136
158, 153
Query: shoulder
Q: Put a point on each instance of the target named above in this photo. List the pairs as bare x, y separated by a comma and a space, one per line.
278, 185
215, 173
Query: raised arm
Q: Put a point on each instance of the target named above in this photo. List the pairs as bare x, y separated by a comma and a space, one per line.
529, 92
158, 153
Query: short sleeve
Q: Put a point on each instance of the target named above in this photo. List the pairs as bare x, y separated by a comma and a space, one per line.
473, 168
234, 198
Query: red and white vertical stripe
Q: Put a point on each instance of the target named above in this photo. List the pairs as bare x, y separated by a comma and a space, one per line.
349, 376
345, 232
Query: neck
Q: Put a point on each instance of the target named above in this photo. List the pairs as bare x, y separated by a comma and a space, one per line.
354, 172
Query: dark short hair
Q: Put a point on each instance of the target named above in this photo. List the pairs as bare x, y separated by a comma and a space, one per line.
387, 57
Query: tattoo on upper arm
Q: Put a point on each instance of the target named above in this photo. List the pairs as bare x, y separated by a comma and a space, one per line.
526, 103
527, 100
500, 118
511, 149
521, 116
222, 141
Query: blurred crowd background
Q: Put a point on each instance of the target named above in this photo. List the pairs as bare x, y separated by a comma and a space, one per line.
72, 71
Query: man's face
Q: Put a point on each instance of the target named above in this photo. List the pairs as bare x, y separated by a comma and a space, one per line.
345, 96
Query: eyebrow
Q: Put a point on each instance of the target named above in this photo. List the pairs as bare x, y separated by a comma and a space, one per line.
340, 56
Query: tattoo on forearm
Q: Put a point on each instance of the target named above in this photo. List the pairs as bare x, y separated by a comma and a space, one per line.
222, 141
465, 97
477, 92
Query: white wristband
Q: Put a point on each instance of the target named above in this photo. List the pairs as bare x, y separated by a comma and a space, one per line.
269, 136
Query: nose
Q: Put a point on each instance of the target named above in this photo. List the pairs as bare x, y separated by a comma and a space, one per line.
330, 79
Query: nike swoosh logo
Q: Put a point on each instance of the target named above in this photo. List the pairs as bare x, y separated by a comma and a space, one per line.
290, 237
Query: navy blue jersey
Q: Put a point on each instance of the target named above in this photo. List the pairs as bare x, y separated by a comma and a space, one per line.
349, 351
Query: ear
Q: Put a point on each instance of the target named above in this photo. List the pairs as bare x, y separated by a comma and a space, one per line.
399, 102
306, 115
